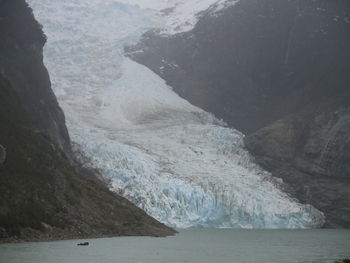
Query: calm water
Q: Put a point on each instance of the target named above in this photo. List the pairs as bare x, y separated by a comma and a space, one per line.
202, 246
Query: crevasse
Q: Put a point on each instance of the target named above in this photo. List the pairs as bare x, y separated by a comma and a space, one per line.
172, 159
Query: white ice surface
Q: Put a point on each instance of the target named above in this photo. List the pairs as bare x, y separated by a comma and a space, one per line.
180, 15
170, 158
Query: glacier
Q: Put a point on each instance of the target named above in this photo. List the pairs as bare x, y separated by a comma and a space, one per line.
177, 162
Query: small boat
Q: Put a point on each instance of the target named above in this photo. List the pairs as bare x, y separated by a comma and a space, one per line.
83, 244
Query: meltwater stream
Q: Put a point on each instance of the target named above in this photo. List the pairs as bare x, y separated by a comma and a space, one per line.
172, 159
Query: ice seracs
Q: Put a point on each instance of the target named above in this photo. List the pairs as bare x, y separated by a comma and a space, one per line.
177, 162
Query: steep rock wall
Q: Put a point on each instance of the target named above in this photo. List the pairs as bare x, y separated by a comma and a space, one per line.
44, 194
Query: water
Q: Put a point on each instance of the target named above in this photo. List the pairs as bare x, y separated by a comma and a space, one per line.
200, 245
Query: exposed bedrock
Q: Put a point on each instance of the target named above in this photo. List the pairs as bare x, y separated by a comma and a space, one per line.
310, 150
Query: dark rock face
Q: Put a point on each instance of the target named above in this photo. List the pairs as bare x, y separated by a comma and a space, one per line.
44, 195
21, 61
310, 150
277, 70
2, 154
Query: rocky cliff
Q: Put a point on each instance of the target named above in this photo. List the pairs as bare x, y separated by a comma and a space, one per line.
280, 66
310, 151
21, 61
44, 192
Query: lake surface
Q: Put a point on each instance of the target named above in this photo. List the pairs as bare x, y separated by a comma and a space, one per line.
200, 245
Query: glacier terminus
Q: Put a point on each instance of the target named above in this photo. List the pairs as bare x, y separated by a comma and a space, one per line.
177, 162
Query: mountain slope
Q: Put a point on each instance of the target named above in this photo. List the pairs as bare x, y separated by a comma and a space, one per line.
259, 65
310, 150
256, 61
44, 194
21, 61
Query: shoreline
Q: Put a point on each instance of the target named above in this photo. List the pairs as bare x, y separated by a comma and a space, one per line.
64, 237
73, 238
